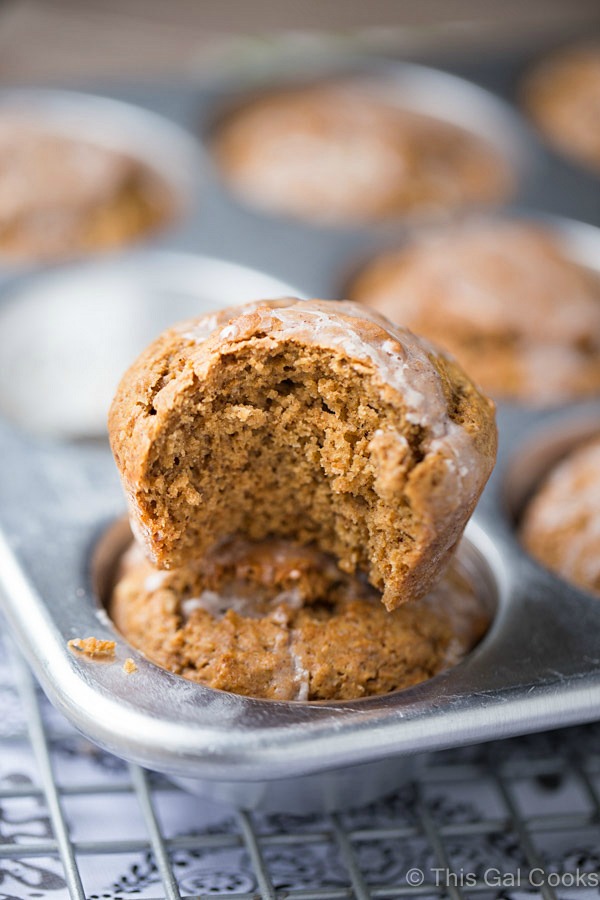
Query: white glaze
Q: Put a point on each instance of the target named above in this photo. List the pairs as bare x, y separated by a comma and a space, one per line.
398, 357
155, 580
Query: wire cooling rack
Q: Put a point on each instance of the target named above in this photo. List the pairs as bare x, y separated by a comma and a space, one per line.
494, 820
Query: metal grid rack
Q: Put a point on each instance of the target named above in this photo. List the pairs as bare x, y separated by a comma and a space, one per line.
526, 804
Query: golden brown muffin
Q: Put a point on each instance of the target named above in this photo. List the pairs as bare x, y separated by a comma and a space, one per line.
342, 153
561, 524
278, 621
520, 317
317, 421
62, 197
562, 96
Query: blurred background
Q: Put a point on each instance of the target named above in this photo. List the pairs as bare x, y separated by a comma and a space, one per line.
61, 40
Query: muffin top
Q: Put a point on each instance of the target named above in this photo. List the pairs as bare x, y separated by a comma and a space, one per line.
283, 622
61, 195
562, 96
504, 298
341, 152
561, 524
315, 421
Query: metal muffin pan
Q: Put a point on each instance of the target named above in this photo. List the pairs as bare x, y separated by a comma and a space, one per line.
537, 667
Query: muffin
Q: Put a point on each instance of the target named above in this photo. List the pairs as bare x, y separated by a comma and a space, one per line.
520, 317
314, 421
562, 96
62, 197
340, 154
278, 621
561, 523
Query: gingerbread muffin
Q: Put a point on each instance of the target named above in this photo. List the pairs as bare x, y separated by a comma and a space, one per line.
278, 621
562, 96
315, 421
62, 197
342, 153
561, 523
520, 317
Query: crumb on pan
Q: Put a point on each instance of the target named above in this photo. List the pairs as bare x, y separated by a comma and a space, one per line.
92, 646
129, 667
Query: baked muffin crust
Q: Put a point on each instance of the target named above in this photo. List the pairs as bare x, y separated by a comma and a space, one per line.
502, 296
339, 153
561, 523
562, 96
278, 621
315, 421
61, 196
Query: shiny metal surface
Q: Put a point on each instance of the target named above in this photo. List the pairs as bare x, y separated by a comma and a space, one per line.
539, 665
328, 791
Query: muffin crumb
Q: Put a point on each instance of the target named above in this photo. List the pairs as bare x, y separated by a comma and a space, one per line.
129, 667
316, 421
92, 646
275, 620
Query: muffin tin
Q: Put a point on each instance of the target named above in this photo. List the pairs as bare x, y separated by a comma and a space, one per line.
66, 334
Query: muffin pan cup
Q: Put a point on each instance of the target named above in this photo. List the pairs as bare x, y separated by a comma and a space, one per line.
537, 667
